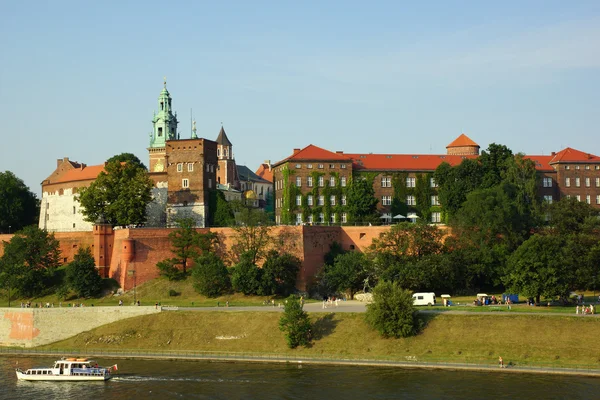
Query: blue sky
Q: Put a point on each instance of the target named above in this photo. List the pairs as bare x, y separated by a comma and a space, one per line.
82, 80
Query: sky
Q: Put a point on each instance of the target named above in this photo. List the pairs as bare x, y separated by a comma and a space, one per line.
81, 79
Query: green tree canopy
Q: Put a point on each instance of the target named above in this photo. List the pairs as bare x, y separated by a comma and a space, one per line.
454, 183
279, 273
19, 207
220, 211
494, 163
210, 275
120, 194
361, 200
127, 158
392, 312
295, 324
572, 216
252, 234
348, 273
246, 276
82, 275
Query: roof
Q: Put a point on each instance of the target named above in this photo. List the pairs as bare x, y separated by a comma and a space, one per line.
222, 138
315, 153
405, 162
83, 173
461, 141
571, 155
246, 175
265, 171
542, 163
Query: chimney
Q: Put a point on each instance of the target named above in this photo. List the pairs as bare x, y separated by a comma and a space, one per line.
268, 162
553, 153
339, 152
296, 151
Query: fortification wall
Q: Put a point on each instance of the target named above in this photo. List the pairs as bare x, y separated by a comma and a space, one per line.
29, 327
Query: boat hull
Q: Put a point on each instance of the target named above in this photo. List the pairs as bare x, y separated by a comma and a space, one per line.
72, 378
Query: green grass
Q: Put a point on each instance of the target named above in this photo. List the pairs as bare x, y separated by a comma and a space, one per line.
519, 339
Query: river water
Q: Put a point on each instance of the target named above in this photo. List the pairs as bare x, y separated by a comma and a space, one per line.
142, 379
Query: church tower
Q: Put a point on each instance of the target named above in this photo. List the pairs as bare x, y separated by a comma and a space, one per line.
227, 170
164, 128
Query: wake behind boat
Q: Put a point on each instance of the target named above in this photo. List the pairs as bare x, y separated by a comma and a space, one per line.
68, 369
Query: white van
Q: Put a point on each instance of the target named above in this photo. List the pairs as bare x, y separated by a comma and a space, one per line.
424, 299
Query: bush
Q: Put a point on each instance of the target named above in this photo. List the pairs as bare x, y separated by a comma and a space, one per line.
173, 293
210, 275
82, 275
246, 276
295, 323
392, 312
168, 269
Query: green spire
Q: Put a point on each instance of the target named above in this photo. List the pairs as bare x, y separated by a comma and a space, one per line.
164, 122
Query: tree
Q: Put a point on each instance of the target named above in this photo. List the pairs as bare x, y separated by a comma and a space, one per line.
127, 158
120, 194
82, 275
454, 183
392, 312
30, 260
279, 273
252, 234
571, 216
211, 277
220, 212
295, 323
348, 273
408, 239
494, 162
19, 207
246, 276
361, 200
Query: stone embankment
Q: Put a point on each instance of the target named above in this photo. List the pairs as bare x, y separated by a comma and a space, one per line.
29, 327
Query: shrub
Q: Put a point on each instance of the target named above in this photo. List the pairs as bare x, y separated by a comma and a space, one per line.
82, 275
392, 312
210, 275
173, 293
295, 323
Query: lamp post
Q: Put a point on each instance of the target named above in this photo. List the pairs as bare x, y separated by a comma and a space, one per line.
9, 227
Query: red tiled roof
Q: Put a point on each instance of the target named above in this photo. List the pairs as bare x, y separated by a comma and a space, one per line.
405, 162
312, 152
265, 171
542, 163
80, 174
461, 141
572, 155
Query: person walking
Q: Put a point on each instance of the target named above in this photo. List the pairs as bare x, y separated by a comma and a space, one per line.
577, 309
500, 362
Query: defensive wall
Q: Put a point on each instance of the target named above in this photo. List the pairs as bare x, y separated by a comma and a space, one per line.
29, 327
132, 254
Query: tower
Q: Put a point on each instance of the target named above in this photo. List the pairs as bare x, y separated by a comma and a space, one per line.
227, 171
164, 125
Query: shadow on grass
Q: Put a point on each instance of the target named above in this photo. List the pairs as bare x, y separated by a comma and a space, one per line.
324, 326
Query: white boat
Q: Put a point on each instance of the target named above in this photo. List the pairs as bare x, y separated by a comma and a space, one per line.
68, 369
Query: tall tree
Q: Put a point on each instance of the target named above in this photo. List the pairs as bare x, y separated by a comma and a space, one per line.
361, 201
246, 276
571, 216
494, 163
82, 275
220, 212
454, 183
348, 273
408, 239
120, 194
211, 277
295, 324
252, 234
279, 273
127, 158
392, 312
19, 207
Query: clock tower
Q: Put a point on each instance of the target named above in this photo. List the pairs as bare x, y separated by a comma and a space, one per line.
164, 125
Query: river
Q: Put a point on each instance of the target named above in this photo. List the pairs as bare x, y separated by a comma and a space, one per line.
143, 379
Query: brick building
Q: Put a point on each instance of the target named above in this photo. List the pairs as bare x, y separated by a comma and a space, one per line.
310, 185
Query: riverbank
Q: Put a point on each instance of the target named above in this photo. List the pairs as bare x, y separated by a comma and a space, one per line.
523, 341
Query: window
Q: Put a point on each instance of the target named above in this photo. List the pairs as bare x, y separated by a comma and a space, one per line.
343, 166
435, 201
598, 199
299, 219
587, 167
410, 200
209, 183
309, 166
568, 196
321, 201
332, 218
278, 219
74, 211
226, 151
343, 181
410, 182
331, 166
190, 167
298, 181
577, 182
321, 218
386, 200
568, 182
159, 132
345, 217
588, 199
578, 197
547, 182
309, 200
219, 152
320, 166
344, 200
310, 219
180, 167
597, 182
332, 181
436, 217
332, 200
298, 200
577, 167
587, 182
386, 181
309, 181
433, 183
321, 181
298, 166
567, 167
548, 199
185, 183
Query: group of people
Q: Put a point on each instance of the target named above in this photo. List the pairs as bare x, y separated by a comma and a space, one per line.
331, 301
585, 309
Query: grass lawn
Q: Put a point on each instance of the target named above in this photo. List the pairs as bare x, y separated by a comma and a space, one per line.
520, 339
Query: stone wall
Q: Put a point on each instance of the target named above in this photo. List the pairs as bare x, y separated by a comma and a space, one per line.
59, 211
29, 327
